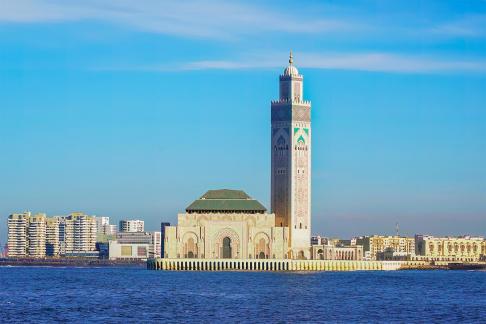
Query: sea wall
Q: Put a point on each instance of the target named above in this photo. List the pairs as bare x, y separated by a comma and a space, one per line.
270, 265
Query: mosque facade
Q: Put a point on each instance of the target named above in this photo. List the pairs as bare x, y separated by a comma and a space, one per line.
229, 224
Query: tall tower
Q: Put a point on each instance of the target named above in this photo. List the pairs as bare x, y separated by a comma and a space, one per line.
291, 161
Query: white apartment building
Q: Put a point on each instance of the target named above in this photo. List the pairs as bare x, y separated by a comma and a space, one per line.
135, 225
17, 234
39, 236
103, 226
101, 221
77, 234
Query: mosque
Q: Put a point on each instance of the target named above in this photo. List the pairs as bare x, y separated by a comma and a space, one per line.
229, 224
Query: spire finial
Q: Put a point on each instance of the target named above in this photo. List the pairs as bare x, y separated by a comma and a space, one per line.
291, 58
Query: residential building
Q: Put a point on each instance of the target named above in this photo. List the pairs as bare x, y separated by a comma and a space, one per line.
109, 230
77, 234
162, 238
101, 221
135, 225
18, 235
36, 233
52, 237
378, 243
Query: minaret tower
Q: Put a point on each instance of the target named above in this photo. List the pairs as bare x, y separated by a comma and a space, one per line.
291, 161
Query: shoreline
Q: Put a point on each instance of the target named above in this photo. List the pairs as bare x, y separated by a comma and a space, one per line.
66, 262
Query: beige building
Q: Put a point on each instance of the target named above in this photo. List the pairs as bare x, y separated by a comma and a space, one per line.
226, 224
331, 252
463, 248
37, 236
375, 244
27, 235
77, 234
17, 234
291, 161
135, 245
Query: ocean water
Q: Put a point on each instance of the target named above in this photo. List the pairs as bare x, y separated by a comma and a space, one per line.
135, 295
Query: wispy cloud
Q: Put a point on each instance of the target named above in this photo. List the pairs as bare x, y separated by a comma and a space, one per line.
198, 18
374, 61
470, 26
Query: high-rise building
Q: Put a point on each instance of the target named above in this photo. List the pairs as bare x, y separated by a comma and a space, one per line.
162, 238
291, 161
135, 225
101, 221
66, 235
77, 234
52, 236
37, 236
104, 229
109, 229
18, 235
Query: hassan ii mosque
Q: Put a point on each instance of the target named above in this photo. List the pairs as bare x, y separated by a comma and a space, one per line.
229, 224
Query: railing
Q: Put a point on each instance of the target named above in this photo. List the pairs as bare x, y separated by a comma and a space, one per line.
268, 265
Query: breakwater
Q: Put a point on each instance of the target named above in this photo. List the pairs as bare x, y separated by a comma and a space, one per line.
69, 262
275, 265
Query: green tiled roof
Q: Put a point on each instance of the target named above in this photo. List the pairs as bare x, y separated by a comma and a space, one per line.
225, 200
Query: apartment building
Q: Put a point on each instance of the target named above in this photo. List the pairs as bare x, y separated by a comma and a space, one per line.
134, 225
36, 233
17, 234
375, 244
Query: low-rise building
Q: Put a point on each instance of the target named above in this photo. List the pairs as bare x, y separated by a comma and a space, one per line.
375, 244
135, 245
462, 248
330, 252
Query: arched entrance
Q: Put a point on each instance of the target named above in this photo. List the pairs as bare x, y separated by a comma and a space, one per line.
261, 255
190, 255
226, 248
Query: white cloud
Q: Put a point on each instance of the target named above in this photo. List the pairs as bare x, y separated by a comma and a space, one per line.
213, 19
379, 62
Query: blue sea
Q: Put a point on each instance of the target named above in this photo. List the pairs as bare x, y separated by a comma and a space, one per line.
134, 295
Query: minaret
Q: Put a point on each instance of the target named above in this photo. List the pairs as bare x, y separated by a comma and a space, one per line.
291, 161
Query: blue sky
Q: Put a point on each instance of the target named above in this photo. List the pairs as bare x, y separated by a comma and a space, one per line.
132, 109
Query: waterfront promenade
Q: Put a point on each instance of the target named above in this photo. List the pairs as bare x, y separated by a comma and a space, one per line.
277, 265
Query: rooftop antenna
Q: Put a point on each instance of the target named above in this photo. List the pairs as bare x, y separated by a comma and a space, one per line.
396, 228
